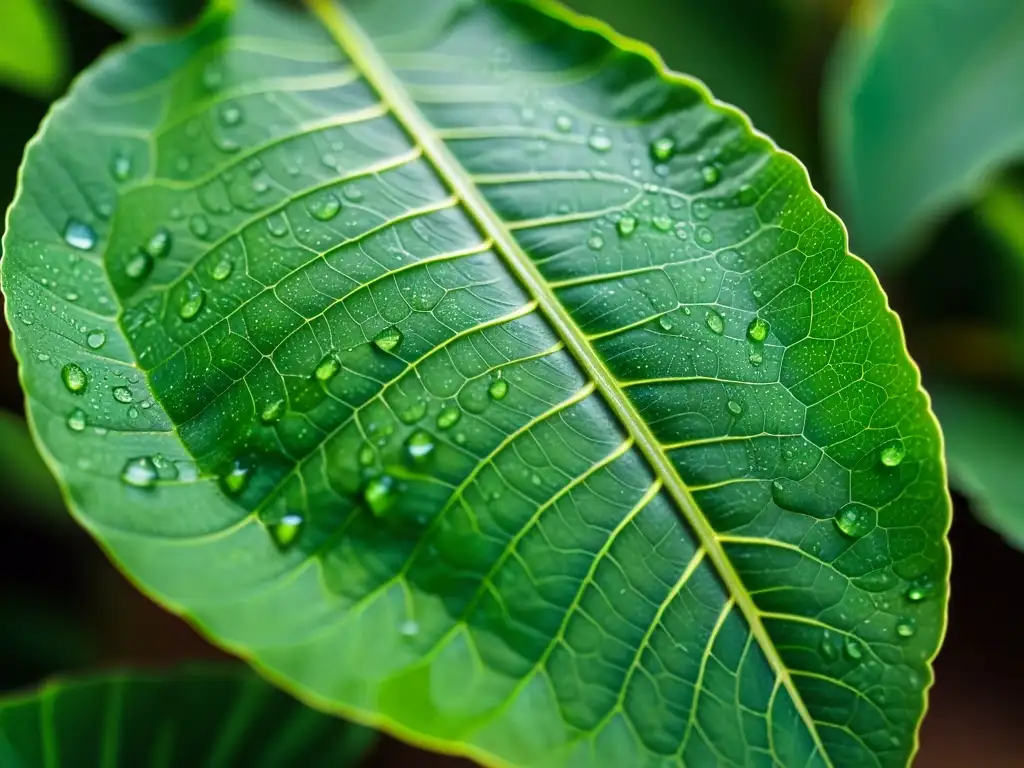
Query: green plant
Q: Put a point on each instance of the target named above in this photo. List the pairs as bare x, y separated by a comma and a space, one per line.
473, 377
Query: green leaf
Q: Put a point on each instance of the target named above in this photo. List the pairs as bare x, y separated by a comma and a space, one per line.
475, 378
199, 715
136, 15
924, 104
32, 55
983, 439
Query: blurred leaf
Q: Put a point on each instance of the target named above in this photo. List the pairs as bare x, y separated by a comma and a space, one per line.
32, 53
27, 482
195, 716
924, 102
136, 15
983, 446
1001, 212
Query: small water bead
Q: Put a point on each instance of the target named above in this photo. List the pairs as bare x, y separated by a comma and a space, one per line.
663, 149
159, 245
277, 225
734, 408
287, 530
353, 193
388, 339
705, 235
120, 167
756, 358
76, 420
133, 412
191, 301
563, 123
367, 456
237, 477
758, 329
325, 208
595, 243
853, 649
626, 226
498, 388
198, 225
140, 472
413, 413
380, 494
74, 378
893, 454
230, 116
448, 417
710, 174
828, 647
599, 142
271, 413
79, 235
222, 269
905, 628
662, 223
96, 339
409, 628
715, 322
419, 446
666, 323
122, 394
327, 368
138, 265
920, 589
855, 520
701, 210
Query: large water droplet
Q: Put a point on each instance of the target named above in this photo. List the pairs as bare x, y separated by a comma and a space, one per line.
419, 446
853, 649
191, 300
715, 322
855, 520
705, 235
327, 368
199, 226
626, 226
734, 408
662, 149
287, 530
122, 394
222, 269
595, 243
76, 420
96, 339
159, 245
498, 388
277, 225
905, 628
325, 207
710, 174
166, 469
74, 378
140, 472
758, 329
380, 495
448, 417
662, 223
388, 339
237, 477
563, 123
666, 323
599, 142
79, 235
138, 265
367, 456
413, 413
893, 454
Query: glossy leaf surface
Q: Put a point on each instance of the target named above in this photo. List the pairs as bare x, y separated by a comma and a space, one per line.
211, 716
475, 378
924, 104
32, 55
135, 15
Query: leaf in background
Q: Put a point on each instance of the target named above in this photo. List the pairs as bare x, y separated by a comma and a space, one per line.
212, 715
983, 441
32, 55
27, 483
140, 15
508, 395
923, 104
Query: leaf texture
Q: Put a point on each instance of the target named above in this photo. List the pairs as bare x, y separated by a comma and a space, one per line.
477, 379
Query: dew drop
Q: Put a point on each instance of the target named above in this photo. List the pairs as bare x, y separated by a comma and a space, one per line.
828, 648
662, 223
662, 149
905, 628
919, 589
855, 520
198, 225
705, 235
448, 417
756, 358
701, 210
138, 265
734, 408
120, 167
563, 123
626, 226
96, 339
271, 413
325, 207
287, 530
367, 456
409, 628
236, 478
191, 300
380, 495
666, 323
353, 193
715, 322
595, 243
710, 174
388, 339
159, 245
122, 394
74, 377
222, 269
599, 142
277, 225
893, 454
853, 649
140, 472
76, 420
133, 412
327, 368
79, 235
419, 446
758, 329
230, 116
498, 388
413, 413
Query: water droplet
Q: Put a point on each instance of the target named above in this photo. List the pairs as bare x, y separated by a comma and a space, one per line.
388, 339
893, 454
272, 411
595, 243
715, 322
448, 417
120, 167
353, 193
287, 530
159, 245
191, 300
662, 149
701, 210
79, 235
367, 456
905, 628
855, 520
662, 223
666, 323
140, 472
166, 469
828, 647
758, 329
626, 226
599, 142
705, 235
498, 388
138, 265
756, 358
237, 477
419, 446
413, 413
96, 339
122, 394
409, 628
230, 116
734, 408
853, 649
919, 589
198, 225
222, 269
327, 368
325, 208
563, 123
76, 420
710, 174
380, 495
74, 377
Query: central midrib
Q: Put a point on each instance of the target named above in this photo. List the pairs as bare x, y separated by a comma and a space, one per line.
361, 49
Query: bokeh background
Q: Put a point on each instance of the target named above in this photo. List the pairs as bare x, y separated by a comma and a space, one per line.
886, 105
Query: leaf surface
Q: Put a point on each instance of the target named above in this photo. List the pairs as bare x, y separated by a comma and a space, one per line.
923, 105
141, 15
212, 715
477, 379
